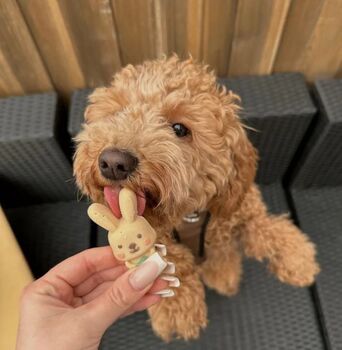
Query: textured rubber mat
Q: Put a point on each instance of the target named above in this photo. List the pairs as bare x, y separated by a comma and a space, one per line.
266, 314
49, 233
319, 212
77, 108
321, 161
31, 157
317, 196
280, 108
275, 198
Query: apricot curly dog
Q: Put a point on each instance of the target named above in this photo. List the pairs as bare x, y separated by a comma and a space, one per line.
167, 130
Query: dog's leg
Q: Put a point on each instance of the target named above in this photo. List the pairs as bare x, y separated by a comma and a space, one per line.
184, 314
290, 253
222, 268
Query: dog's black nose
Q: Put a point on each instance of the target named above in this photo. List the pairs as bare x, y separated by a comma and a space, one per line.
132, 246
117, 164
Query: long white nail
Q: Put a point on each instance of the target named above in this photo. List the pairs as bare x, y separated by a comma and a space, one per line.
161, 248
165, 293
173, 280
170, 268
162, 264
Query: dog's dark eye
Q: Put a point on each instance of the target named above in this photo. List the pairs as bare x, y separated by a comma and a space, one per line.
180, 130
139, 235
119, 246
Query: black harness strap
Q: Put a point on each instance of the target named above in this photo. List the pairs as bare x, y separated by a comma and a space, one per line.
192, 233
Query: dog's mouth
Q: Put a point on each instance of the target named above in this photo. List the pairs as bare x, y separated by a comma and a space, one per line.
144, 199
111, 194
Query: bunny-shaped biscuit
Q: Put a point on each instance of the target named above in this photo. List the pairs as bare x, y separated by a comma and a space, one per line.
131, 238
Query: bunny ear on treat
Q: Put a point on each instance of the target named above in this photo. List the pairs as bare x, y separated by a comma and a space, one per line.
128, 204
102, 216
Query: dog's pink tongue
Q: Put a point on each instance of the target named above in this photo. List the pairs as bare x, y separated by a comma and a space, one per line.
112, 198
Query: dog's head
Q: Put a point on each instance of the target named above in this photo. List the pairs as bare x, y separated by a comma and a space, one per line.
169, 132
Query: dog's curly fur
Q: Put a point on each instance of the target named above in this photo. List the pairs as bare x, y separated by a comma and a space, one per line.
212, 169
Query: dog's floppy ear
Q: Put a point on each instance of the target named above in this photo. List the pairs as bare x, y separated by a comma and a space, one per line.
241, 165
128, 204
103, 102
102, 216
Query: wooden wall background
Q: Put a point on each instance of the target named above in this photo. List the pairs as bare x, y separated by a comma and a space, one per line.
69, 44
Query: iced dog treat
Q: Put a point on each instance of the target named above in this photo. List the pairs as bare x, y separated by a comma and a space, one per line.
131, 237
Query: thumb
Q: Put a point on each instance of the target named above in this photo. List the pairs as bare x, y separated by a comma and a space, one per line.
124, 293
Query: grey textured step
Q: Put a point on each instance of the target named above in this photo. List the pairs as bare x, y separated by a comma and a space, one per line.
317, 197
266, 314
78, 105
50, 233
321, 160
319, 212
280, 108
31, 156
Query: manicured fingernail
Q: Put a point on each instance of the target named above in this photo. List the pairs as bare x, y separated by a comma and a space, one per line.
165, 293
170, 268
173, 280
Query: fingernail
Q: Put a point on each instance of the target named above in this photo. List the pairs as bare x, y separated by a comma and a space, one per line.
170, 268
173, 280
146, 273
165, 293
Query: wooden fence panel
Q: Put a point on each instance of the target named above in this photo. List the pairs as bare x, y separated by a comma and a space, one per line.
136, 28
218, 30
65, 44
78, 43
258, 29
22, 69
93, 34
53, 40
312, 39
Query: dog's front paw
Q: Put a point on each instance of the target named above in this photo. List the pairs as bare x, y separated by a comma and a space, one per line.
225, 281
298, 268
183, 315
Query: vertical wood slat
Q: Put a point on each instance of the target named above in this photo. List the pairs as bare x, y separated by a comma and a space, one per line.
22, 70
218, 30
194, 27
136, 28
58, 43
78, 43
258, 28
92, 29
312, 41
171, 30
52, 37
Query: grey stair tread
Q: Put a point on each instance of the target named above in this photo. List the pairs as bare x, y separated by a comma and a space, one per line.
26, 117
31, 155
276, 95
330, 94
321, 160
280, 109
316, 190
266, 314
78, 105
275, 198
319, 212
50, 233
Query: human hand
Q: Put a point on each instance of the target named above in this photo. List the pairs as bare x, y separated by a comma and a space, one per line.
72, 305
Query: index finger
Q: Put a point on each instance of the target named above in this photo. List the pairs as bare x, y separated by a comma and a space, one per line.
79, 267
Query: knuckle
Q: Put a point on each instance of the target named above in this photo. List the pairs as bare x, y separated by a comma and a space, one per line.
119, 298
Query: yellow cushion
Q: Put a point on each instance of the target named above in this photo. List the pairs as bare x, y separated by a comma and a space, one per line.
14, 276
